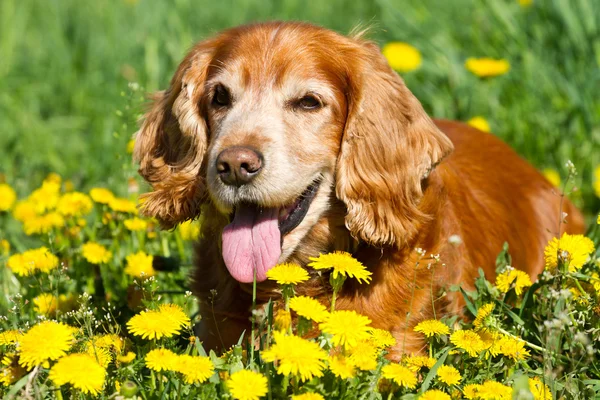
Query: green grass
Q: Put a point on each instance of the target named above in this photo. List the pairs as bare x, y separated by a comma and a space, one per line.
65, 65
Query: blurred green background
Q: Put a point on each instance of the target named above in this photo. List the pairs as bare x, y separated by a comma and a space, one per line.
65, 65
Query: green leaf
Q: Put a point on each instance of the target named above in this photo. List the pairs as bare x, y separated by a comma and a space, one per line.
433, 371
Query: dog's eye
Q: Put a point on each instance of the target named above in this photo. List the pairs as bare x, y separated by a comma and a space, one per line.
221, 98
309, 102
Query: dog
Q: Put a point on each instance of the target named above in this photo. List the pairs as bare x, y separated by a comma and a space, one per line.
293, 140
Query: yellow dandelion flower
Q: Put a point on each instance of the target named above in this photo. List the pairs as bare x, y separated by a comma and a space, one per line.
415, 363
102, 195
296, 356
130, 146
491, 341
309, 308
435, 394
468, 341
43, 224
28, 262
101, 355
347, 328
46, 197
539, 389
432, 327
79, 370
45, 304
483, 312
123, 205
10, 337
595, 281
161, 360
8, 196
552, 176
12, 371
513, 348
169, 320
24, 210
95, 253
126, 358
135, 224
364, 355
282, 320
511, 276
597, 181
382, 338
400, 374
195, 369
140, 265
247, 385
471, 391
308, 396
189, 230
343, 264
402, 57
74, 204
572, 250
487, 67
479, 123
448, 375
4, 247
48, 340
287, 274
341, 367
494, 390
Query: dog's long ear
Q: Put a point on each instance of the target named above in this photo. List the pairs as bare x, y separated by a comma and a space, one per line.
172, 141
390, 146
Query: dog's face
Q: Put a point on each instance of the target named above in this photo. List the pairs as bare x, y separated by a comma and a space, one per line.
267, 122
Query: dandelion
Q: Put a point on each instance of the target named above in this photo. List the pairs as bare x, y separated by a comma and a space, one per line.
28, 262
597, 181
45, 304
12, 371
403, 376
402, 57
10, 337
296, 356
126, 358
415, 363
347, 328
95, 253
572, 250
471, 391
161, 360
382, 338
435, 394
102, 195
343, 264
308, 396
282, 320
130, 146
247, 385
140, 265
46, 197
539, 389
48, 340
494, 390
552, 175
8, 196
4, 247
505, 280
195, 369
309, 308
24, 210
448, 375
74, 204
123, 205
513, 348
483, 312
479, 123
487, 67
43, 224
81, 371
167, 321
432, 327
341, 367
189, 230
287, 274
468, 341
135, 224
364, 355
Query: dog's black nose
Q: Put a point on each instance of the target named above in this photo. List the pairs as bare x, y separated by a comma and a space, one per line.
237, 165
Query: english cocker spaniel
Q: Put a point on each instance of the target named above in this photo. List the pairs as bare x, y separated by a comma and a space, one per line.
293, 140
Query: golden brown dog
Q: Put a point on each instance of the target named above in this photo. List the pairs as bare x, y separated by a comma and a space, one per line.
294, 141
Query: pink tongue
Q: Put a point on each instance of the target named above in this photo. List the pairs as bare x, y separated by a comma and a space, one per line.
252, 242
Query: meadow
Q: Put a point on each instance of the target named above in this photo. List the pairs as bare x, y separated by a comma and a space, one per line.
88, 282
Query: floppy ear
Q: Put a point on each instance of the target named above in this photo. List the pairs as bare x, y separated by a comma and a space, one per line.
172, 141
390, 146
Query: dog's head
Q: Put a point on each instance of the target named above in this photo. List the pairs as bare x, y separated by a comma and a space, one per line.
268, 122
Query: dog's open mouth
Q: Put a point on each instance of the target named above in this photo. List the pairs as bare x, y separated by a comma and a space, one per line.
252, 241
